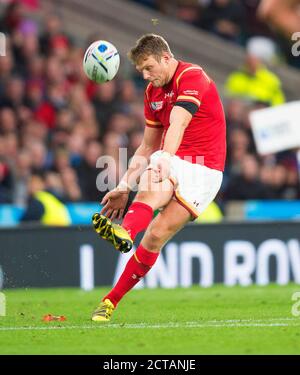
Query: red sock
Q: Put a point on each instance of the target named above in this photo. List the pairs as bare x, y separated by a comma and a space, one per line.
137, 219
136, 268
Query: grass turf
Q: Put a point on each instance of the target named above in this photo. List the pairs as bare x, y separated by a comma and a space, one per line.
216, 320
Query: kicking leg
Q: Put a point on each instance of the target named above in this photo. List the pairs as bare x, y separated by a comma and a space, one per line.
166, 224
161, 229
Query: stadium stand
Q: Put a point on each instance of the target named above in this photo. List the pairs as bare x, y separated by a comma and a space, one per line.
52, 119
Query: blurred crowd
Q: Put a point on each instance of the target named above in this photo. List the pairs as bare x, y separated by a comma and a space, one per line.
248, 175
239, 20
55, 124
264, 28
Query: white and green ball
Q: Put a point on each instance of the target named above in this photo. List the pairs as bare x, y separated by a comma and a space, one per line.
101, 61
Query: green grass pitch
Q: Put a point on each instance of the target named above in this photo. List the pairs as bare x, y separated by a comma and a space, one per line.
216, 320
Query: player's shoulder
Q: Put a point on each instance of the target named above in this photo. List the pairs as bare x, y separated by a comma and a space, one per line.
189, 71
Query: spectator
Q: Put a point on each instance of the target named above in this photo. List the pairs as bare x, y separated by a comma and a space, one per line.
71, 185
25, 46
38, 153
188, 11
235, 112
253, 24
43, 206
284, 18
11, 145
224, 18
128, 96
22, 175
8, 121
105, 103
87, 173
14, 95
6, 69
239, 145
54, 40
12, 18
247, 185
6, 182
254, 81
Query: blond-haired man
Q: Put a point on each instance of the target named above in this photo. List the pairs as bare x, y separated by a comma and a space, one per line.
184, 150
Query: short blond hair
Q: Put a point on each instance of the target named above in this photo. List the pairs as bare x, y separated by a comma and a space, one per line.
149, 44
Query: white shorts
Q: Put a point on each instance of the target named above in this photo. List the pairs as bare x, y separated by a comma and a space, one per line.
195, 186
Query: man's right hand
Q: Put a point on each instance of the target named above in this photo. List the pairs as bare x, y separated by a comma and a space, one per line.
114, 203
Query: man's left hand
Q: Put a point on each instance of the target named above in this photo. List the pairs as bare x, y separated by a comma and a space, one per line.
162, 168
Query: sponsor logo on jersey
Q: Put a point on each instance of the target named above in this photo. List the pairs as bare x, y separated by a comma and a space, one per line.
156, 106
169, 94
190, 92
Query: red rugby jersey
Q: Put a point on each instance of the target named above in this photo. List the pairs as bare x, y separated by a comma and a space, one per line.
204, 140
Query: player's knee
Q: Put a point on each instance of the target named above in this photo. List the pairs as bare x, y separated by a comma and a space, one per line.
145, 196
142, 195
146, 184
149, 198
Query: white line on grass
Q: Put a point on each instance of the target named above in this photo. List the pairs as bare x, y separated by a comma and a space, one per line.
272, 322
252, 320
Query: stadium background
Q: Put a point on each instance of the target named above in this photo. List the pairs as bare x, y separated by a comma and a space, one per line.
54, 124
